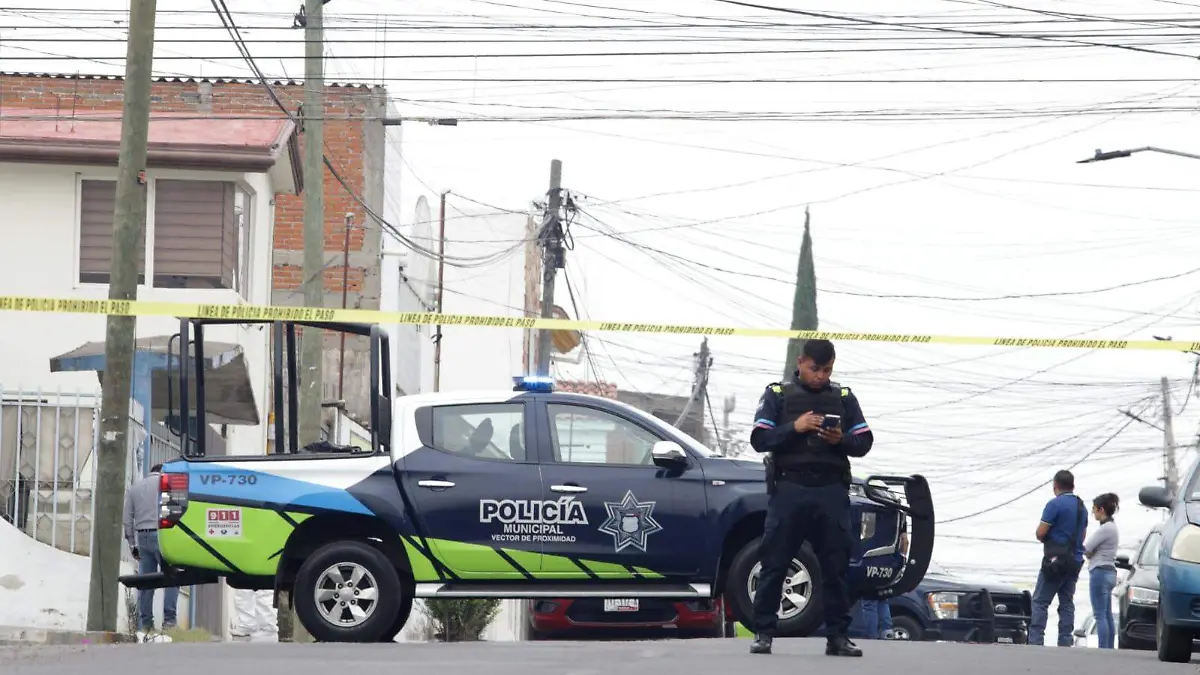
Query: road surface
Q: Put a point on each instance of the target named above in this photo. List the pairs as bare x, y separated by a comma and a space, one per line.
695, 657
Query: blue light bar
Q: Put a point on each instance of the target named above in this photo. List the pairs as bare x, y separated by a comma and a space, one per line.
533, 383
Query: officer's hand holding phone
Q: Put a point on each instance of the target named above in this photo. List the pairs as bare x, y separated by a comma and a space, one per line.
831, 435
809, 421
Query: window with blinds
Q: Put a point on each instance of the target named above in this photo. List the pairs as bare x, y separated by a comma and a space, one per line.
200, 237
97, 205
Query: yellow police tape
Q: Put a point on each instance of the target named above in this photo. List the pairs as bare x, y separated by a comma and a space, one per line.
327, 315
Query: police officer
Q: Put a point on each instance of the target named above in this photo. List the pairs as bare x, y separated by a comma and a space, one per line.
809, 479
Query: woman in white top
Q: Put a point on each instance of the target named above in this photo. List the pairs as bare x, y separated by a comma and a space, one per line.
1100, 549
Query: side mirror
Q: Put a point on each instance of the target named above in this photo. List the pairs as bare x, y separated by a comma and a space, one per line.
1155, 496
1122, 562
668, 455
1080, 633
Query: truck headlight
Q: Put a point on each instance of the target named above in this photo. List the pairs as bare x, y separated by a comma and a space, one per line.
1142, 596
943, 605
1186, 547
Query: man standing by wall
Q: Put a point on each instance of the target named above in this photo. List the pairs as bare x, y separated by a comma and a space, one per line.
1061, 531
141, 532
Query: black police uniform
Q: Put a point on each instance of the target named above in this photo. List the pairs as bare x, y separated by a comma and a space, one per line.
810, 501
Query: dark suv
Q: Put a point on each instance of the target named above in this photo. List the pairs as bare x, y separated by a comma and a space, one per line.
1137, 604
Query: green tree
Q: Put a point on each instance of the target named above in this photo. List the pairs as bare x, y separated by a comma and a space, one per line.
804, 304
461, 620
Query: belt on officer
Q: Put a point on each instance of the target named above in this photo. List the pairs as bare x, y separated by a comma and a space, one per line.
150, 530
812, 477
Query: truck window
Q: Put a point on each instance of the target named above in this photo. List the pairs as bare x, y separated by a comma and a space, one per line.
481, 431
592, 436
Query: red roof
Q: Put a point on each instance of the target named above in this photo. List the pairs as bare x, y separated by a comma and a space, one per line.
166, 129
177, 141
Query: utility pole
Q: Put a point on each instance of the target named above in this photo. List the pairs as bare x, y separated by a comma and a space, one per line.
700, 382
1171, 476
727, 408
311, 339
129, 226
437, 337
553, 259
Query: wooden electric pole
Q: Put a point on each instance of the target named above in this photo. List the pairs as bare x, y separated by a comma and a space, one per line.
441, 290
551, 240
129, 225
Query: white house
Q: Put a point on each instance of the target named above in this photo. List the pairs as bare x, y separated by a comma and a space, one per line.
210, 188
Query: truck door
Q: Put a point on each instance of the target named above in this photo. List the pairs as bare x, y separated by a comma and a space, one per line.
476, 490
638, 517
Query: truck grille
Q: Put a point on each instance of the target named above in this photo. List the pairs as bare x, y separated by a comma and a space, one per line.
650, 610
1010, 608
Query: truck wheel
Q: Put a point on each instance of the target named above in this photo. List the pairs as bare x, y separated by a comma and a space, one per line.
800, 608
347, 591
906, 628
406, 603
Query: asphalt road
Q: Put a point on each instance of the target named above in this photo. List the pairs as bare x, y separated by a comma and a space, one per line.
578, 658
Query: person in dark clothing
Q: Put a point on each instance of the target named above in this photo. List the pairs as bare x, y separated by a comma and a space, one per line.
808, 428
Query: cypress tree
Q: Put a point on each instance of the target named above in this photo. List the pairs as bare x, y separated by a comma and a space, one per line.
804, 304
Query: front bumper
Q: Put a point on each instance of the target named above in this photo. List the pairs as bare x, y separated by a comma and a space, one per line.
1140, 623
1179, 593
567, 614
957, 630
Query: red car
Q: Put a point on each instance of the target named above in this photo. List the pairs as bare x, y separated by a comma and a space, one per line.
560, 617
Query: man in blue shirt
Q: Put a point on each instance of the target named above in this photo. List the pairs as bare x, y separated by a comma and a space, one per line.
1061, 531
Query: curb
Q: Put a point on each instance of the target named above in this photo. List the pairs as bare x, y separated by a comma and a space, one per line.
42, 636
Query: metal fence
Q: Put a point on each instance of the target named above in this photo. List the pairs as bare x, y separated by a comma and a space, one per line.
48, 447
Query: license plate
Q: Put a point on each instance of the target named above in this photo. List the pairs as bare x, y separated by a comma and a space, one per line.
620, 605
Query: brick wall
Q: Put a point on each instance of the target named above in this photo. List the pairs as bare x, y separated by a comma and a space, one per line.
344, 139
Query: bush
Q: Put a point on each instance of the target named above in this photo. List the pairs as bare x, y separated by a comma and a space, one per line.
461, 620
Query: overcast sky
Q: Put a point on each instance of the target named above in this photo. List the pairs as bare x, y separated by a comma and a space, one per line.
954, 192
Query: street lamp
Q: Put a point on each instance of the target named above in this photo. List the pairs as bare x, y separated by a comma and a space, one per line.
1101, 156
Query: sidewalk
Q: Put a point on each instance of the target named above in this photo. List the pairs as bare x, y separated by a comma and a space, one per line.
41, 636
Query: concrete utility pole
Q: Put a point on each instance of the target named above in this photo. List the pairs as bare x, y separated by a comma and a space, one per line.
699, 384
129, 226
553, 259
727, 408
1171, 475
311, 339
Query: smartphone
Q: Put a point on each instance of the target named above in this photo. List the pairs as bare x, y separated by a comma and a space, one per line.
831, 421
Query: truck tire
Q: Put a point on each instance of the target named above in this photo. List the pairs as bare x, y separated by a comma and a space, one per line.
743, 574
406, 603
348, 591
906, 628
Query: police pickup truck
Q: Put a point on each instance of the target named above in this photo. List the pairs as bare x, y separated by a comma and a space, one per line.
520, 494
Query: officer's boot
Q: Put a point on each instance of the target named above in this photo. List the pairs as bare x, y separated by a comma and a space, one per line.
841, 645
761, 644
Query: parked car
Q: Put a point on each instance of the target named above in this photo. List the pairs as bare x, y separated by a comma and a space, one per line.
1137, 595
562, 617
1177, 621
949, 607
